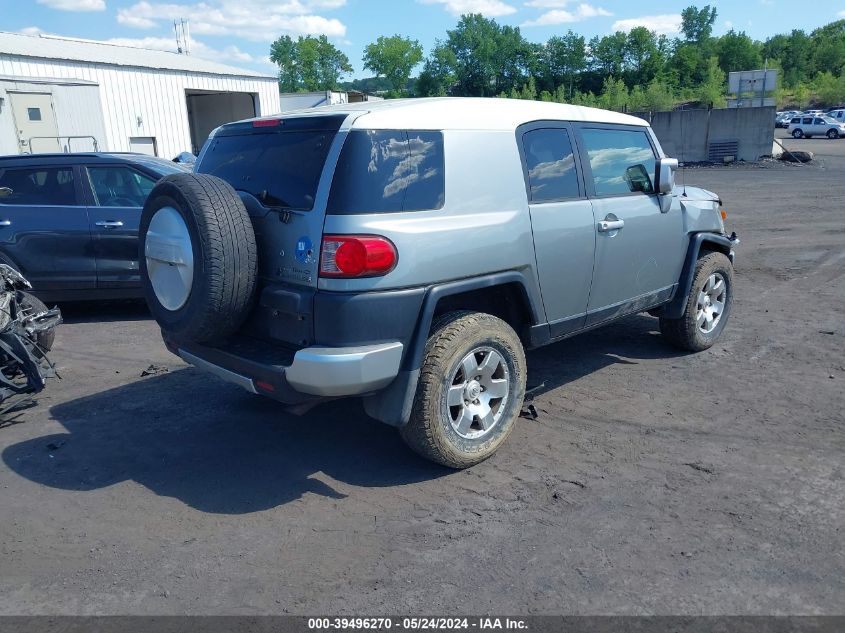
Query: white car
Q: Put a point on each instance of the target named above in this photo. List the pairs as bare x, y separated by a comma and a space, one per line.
808, 126
839, 115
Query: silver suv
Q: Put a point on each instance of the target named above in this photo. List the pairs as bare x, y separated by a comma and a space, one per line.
409, 251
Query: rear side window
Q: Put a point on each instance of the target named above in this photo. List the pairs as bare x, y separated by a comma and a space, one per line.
44, 186
382, 171
280, 169
551, 165
622, 161
807, 121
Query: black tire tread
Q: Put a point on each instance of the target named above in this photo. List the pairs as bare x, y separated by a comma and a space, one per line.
683, 332
423, 433
229, 255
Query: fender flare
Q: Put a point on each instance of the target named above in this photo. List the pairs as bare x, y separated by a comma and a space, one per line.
675, 308
393, 404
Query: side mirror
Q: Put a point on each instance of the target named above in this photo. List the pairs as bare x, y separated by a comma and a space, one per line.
664, 177
5, 191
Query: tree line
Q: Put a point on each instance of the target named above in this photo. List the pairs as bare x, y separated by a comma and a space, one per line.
635, 70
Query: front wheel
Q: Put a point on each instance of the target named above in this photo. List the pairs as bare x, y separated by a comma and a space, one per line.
470, 391
832, 134
708, 306
797, 133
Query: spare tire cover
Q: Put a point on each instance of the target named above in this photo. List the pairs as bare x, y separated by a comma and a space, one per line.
198, 257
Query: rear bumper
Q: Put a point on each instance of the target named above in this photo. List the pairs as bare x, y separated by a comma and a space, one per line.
307, 374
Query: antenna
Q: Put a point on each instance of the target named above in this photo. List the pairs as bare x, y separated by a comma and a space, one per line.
181, 30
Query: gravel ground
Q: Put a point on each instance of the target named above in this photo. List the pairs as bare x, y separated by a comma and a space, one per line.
652, 482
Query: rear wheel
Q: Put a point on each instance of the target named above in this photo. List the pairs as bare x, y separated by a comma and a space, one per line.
708, 306
797, 133
470, 391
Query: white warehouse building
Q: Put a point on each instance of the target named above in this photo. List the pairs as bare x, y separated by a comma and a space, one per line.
61, 95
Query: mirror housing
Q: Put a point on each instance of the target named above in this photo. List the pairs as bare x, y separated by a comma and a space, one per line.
5, 191
664, 177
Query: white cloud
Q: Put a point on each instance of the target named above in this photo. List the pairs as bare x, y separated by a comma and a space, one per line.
31, 30
489, 8
841, 14
563, 16
666, 24
75, 5
259, 20
728, 24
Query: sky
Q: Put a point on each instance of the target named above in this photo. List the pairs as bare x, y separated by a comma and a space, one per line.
239, 32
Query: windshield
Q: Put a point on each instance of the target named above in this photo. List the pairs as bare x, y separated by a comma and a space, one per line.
280, 169
827, 119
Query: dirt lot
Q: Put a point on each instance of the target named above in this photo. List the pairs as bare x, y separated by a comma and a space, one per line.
652, 482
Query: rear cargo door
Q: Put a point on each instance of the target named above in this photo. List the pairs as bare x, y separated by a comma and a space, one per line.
277, 167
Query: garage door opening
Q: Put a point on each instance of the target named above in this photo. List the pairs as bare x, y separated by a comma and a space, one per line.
208, 110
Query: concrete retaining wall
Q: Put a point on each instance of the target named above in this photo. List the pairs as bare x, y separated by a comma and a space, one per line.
688, 134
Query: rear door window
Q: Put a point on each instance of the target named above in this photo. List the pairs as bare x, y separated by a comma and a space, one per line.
42, 186
551, 165
281, 169
622, 161
381, 171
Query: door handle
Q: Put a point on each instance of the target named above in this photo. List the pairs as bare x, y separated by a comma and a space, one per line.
5, 223
109, 224
611, 225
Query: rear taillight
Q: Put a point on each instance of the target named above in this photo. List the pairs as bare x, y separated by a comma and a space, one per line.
356, 256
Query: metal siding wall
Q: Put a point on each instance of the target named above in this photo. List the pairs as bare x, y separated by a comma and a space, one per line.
157, 96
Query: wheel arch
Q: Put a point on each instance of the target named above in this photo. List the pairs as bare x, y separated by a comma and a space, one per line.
699, 242
393, 404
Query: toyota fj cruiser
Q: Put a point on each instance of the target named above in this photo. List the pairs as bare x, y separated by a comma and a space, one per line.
409, 251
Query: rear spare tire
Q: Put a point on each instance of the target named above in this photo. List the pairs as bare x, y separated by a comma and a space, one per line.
197, 256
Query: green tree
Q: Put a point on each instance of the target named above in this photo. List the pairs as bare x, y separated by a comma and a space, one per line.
802, 95
643, 56
438, 74
658, 96
393, 58
697, 24
737, 51
615, 95
711, 92
489, 58
608, 53
308, 63
563, 58
829, 90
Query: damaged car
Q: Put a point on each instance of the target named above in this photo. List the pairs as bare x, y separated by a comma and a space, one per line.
27, 332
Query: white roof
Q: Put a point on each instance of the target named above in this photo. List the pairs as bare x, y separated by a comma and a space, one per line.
52, 47
465, 113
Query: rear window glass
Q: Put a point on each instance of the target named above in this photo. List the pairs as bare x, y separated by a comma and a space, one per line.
382, 171
280, 169
45, 186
